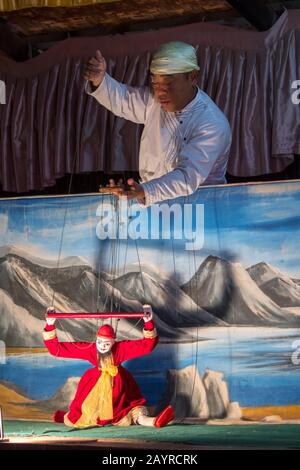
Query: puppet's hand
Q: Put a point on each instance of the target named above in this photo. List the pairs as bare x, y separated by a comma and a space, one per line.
50, 321
148, 313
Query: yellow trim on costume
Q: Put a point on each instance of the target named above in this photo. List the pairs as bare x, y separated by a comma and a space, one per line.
99, 404
138, 411
11, 5
125, 421
47, 335
150, 333
132, 416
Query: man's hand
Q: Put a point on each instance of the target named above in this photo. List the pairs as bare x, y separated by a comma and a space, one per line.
95, 69
135, 190
148, 313
50, 321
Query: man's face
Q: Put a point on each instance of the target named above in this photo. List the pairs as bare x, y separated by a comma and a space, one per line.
174, 92
104, 345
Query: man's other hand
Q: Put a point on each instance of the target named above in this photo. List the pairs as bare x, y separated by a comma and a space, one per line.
134, 190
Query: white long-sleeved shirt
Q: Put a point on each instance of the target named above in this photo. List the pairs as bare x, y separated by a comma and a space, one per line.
179, 151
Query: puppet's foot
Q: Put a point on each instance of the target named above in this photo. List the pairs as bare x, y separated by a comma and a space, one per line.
59, 416
164, 417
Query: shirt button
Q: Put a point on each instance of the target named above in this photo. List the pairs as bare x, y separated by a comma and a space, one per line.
180, 122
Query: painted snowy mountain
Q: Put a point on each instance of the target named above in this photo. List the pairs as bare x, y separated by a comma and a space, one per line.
281, 288
51, 263
17, 327
174, 306
227, 290
31, 287
27, 288
220, 293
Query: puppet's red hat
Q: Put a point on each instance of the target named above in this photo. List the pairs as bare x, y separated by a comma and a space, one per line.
106, 331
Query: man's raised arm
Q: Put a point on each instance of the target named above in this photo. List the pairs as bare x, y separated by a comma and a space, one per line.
122, 100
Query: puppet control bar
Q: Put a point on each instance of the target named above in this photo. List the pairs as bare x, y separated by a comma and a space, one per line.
97, 315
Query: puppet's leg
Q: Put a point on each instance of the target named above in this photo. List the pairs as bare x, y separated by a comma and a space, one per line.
59, 416
164, 417
145, 420
161, 420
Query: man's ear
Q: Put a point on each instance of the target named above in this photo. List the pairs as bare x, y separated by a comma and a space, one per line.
194, 74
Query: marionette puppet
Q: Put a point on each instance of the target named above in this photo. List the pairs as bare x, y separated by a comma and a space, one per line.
107, 393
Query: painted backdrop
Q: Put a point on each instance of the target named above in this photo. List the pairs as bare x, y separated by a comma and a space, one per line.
220, 268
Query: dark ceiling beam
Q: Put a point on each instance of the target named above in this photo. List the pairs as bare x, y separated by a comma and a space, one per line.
114, 16
11, 44
258, 12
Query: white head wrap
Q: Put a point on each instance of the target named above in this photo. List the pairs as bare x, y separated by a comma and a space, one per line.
174, 57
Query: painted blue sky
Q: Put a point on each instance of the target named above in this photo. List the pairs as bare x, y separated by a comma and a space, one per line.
249, 224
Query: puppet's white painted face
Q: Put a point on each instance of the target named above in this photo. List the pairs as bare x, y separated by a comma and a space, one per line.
104, 345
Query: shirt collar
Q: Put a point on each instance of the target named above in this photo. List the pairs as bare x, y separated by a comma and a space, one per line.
190, 105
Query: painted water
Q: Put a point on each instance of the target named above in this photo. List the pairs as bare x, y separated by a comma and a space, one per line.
260, 365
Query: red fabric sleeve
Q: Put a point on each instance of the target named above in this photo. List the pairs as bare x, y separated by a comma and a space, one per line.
149, 325
49, 327
70, 350
130, 349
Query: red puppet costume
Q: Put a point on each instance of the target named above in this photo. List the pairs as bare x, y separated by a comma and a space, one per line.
107, 393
